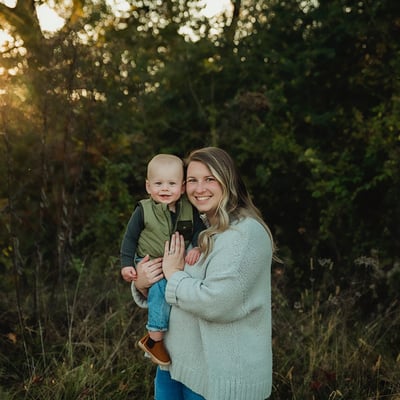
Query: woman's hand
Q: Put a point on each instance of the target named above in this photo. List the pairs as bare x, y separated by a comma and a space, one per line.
174, 255
148, 273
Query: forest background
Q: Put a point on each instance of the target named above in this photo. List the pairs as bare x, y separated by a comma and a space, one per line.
305, 96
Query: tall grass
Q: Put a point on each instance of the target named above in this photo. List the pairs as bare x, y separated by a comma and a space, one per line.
85, 348
327, 346
330, 341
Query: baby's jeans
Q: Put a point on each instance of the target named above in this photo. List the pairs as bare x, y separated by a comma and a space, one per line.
159, 309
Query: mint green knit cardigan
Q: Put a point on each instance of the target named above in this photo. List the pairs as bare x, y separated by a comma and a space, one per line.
220, 325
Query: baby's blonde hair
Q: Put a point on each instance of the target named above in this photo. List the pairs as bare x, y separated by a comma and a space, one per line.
164, 159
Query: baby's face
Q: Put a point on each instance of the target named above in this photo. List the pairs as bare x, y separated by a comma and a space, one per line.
165, 183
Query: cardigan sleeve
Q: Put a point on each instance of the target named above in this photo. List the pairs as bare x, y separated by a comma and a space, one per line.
138, 298
234, 276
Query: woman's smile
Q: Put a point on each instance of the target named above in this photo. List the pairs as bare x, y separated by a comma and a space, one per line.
202, 188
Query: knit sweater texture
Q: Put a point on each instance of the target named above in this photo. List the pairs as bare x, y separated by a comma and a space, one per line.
219, 338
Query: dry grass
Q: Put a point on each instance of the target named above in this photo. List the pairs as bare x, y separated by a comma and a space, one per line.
81, 345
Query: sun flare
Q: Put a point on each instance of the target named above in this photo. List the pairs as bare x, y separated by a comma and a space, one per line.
214, 7
49, 20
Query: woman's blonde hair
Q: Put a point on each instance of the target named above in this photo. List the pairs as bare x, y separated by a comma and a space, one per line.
235, 203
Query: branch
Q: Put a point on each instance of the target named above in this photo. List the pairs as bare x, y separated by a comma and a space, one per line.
24, 22
230, 30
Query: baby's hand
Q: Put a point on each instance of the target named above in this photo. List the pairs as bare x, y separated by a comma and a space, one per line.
192, 256
129, 274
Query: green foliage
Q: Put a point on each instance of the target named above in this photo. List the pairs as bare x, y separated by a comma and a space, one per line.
113, 204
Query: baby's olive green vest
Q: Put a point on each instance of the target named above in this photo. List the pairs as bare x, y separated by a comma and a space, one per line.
158, 226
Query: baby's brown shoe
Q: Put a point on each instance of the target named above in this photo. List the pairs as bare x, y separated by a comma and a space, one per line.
156, 350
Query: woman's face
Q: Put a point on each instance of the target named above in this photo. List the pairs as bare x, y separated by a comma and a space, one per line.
203, 189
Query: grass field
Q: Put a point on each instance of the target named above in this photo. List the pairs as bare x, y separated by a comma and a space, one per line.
80, 343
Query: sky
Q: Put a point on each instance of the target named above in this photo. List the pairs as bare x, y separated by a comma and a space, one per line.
50, 21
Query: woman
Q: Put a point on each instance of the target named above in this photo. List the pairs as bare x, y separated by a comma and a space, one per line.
220, 323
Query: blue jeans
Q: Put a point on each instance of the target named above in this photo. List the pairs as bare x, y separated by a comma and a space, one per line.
159, 309
167, 388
